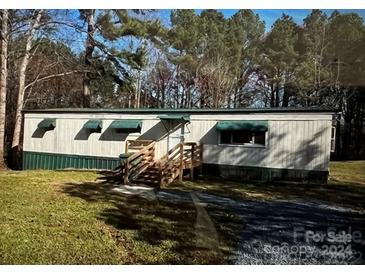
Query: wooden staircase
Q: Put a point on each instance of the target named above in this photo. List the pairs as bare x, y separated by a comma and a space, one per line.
151, 176
141, 167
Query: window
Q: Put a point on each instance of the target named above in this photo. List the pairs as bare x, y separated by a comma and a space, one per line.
259, 138
226, 137
243, 137
333, 139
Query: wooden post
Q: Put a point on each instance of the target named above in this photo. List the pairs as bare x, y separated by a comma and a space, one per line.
153, 153
201, 158
160, 175
126, 172
192, 162
126, 147
182, 140
181, 161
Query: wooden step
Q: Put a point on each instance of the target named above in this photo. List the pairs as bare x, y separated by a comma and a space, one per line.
146, 182
148, 177
151, 171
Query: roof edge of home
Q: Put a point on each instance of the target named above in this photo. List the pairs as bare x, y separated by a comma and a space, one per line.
208, 111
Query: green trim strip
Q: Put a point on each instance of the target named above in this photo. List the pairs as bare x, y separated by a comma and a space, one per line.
42, 160
243, 125
176, 117
94, 124
184, 111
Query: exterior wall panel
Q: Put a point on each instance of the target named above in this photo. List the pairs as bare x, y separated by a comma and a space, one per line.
69, 137
294, 141
290, 145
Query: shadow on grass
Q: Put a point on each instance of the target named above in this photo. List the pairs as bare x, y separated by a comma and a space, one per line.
164, 230
345, 194
157, 231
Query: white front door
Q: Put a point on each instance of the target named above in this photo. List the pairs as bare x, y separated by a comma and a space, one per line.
174, 138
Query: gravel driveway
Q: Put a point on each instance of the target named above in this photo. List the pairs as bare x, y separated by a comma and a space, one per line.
287, 232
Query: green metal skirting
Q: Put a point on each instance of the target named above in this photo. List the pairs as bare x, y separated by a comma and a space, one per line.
40, 160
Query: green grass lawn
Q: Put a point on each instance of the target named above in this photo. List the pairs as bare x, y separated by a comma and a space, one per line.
352, 172
39, 225
50, 217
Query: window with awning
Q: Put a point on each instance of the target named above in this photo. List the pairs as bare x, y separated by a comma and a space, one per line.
247, 133
126, 126
94, 125
47, 124
257, 125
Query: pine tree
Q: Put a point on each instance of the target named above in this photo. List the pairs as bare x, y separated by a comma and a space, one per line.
280, 60
108, 32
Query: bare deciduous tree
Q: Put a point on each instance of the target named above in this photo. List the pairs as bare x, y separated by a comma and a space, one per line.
3, 80
89, 49
33, 26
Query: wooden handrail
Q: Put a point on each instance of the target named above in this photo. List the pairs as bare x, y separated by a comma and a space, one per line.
138, 162
170, 166
167, 156
142, 151
136, 144
186, 155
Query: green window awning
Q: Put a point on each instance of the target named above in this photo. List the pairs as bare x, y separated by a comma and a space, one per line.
94, 124
175, 117
258, 125
127, 125
48, 123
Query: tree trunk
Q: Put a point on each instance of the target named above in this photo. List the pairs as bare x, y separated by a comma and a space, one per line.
163, 94
21, 89
137, 102
286, 97
89, 49
272, 97
3, 80
277, 95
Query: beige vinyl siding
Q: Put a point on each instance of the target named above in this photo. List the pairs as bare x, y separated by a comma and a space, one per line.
290, 145
66, 138
294, 141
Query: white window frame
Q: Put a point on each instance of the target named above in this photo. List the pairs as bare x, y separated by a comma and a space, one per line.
333, 139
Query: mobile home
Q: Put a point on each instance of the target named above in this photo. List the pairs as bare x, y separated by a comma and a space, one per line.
245, 144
